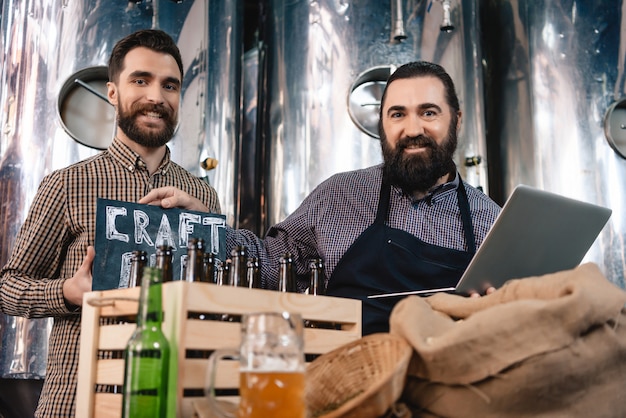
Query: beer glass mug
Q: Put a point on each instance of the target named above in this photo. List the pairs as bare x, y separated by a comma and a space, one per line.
271, 367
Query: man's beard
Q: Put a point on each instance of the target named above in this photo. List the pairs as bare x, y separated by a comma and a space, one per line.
418, 172
126, 121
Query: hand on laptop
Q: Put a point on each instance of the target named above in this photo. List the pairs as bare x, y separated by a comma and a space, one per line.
474, 294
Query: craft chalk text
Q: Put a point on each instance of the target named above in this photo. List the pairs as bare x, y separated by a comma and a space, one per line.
165, 234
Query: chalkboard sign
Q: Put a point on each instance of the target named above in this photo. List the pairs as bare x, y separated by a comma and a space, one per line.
123, 227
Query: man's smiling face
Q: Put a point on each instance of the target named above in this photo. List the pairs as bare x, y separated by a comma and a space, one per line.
147, 97
418, 135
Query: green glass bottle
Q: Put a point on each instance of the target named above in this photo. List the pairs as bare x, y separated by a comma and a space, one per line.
147, 355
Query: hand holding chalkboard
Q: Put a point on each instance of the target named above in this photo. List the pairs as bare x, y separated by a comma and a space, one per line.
124, 227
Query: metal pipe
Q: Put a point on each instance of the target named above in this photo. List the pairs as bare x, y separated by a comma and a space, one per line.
446, 24
397, 21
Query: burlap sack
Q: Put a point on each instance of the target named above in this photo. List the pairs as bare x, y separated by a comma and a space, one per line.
550, 346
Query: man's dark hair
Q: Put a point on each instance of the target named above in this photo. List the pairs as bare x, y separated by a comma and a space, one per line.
153, 39
423, 69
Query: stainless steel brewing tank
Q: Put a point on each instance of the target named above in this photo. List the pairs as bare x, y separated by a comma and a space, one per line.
45, 44
555, 68
316, 52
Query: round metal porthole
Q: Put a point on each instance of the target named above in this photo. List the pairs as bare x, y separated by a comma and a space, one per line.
364, 99
84, 110
615, 126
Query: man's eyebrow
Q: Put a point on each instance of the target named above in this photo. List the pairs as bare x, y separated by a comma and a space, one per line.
173, 80
148, 74
425, 106
396, 108
139, 73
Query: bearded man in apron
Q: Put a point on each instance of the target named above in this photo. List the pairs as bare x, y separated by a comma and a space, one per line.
410, 223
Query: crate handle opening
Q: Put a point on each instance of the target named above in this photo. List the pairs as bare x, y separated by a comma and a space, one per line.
110, 301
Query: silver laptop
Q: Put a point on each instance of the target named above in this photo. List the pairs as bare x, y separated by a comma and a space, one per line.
536, 233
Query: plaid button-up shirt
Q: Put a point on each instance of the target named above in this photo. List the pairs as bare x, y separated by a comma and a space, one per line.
53, 241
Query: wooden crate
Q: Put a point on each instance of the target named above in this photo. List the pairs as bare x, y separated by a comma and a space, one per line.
105, 330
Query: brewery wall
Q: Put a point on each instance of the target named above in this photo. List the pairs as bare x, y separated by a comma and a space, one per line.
283, 93
554, 93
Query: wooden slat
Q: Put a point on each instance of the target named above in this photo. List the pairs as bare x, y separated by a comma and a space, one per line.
115, 337
206, 297
193, 374
211, 334
107, 405
110, 372
88, 349
175, 295
319, 341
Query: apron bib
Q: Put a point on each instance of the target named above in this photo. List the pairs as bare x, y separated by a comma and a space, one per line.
386, 260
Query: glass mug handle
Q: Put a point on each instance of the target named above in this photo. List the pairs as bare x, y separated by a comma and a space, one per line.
216, 408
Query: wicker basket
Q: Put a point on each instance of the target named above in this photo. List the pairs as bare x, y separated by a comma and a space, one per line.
359, 379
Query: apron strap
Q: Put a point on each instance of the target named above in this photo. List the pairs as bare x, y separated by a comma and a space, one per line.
466, 217
383, 203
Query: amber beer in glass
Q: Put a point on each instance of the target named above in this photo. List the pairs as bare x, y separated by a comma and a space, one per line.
271, 367
271, 394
